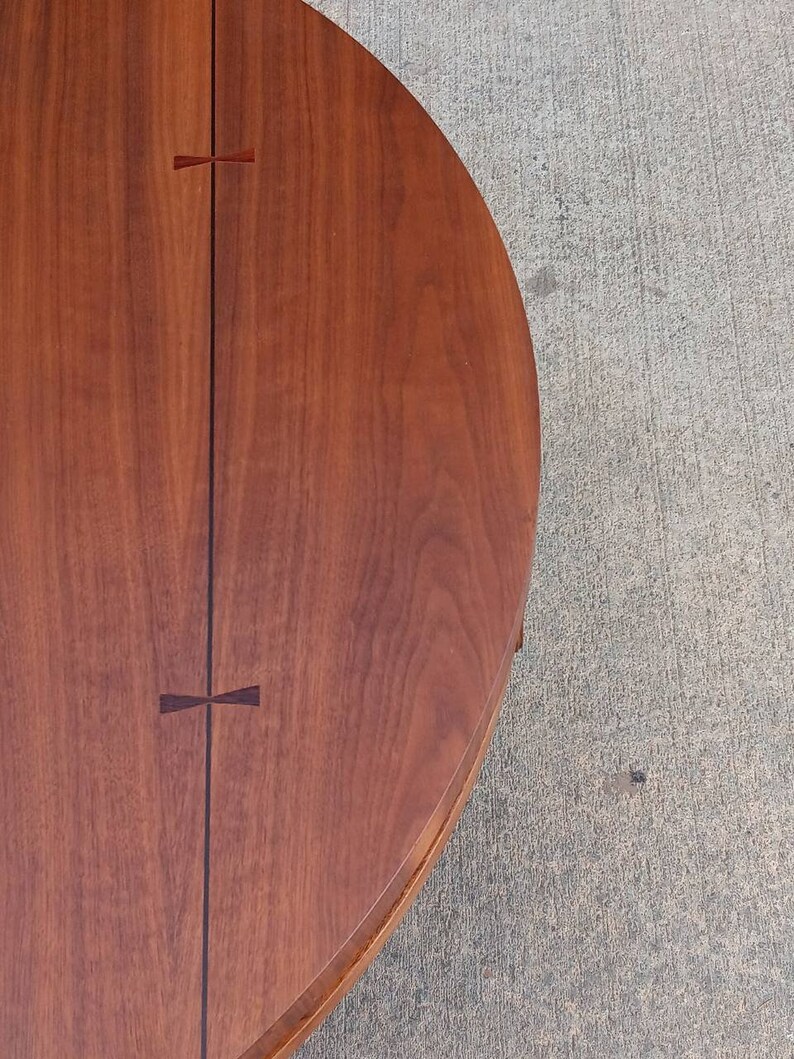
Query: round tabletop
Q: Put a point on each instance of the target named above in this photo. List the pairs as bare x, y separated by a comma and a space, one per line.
270, 457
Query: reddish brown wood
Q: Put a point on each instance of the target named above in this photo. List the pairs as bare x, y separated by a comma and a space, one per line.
376, 487
103, 495
306, 470
184, 161
300, 1019
241, 697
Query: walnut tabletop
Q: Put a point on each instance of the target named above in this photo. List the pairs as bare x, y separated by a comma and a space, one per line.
269, 473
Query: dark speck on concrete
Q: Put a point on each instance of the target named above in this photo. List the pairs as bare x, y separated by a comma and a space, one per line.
628, 783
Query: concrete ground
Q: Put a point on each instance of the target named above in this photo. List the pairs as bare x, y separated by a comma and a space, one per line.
620, 884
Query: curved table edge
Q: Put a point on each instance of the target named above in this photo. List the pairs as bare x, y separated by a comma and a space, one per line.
328, 989
316, 1002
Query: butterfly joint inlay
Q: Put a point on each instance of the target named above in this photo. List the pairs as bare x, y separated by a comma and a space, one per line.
241, 697
182, 161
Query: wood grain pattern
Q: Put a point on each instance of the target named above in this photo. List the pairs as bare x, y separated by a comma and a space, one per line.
268, 427
298, 1021
103, 494
376, 486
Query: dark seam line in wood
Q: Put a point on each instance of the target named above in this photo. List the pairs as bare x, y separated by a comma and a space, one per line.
205, 939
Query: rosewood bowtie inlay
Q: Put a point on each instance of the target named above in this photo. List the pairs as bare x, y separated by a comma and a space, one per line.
184, 161
270, 427
241, 697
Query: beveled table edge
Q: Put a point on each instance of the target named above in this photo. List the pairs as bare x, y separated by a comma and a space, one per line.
322, 996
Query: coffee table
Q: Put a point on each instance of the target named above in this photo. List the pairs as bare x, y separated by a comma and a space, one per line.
270, 457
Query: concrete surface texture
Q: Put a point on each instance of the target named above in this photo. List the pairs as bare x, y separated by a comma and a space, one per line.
620, 884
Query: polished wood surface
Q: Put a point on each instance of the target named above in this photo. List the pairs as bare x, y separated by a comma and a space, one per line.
104, 264
270, 469
376, 483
